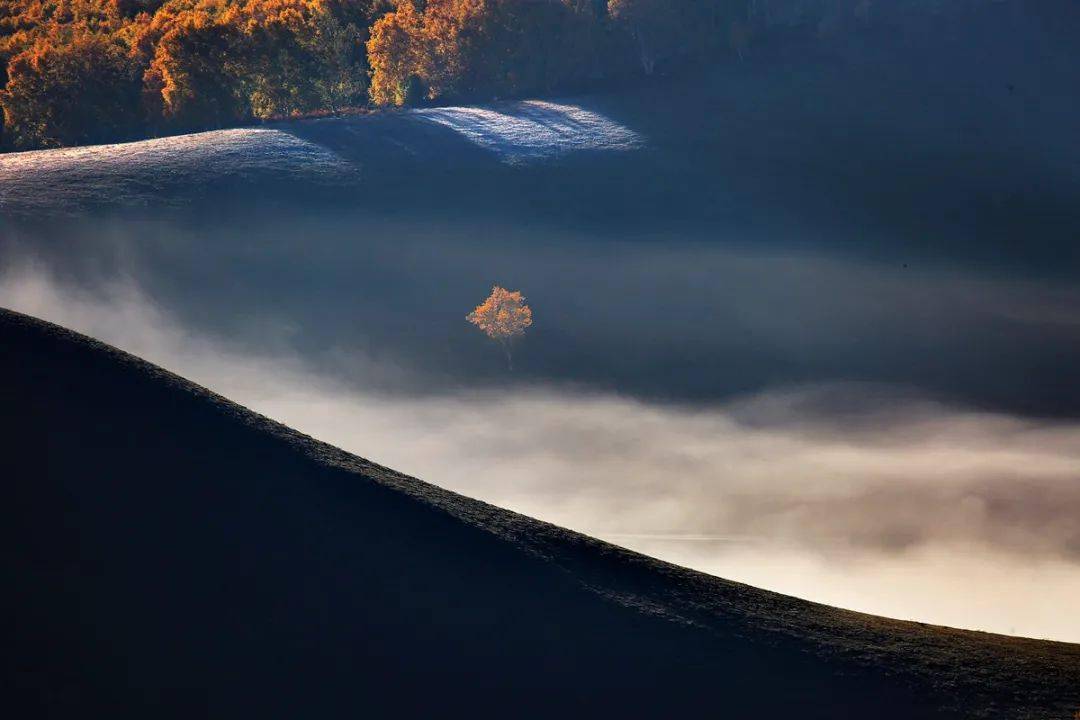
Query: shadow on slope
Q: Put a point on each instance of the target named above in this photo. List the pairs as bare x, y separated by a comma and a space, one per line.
170, 553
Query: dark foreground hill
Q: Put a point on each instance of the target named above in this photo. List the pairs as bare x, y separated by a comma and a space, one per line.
169, 553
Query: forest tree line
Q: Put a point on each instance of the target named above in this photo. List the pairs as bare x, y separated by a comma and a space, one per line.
86, 71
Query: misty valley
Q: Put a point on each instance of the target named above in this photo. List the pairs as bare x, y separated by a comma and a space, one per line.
806, 320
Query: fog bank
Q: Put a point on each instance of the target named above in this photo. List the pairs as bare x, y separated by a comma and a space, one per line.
860, 495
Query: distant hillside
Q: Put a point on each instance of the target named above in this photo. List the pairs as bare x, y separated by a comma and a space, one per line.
171, 554
75, 72
958, 140
83, 71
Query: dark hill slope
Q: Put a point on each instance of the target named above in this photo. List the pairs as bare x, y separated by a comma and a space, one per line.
169, 553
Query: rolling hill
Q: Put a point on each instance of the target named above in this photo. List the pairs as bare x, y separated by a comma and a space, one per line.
169, 553
950, 136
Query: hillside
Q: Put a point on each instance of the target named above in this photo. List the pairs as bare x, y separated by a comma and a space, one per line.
951, 139
345, 161
75, 72
171, 553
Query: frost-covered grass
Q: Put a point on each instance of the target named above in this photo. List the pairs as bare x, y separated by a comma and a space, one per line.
150, 171
534, 129
168, 171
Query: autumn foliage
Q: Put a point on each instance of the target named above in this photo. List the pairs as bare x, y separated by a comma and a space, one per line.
81, 71
477, 48
78, 92
224, 61
503, 317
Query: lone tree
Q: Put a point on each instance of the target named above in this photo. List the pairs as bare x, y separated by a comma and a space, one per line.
503, 317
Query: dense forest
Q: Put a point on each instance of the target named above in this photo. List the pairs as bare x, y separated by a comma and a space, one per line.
85, 71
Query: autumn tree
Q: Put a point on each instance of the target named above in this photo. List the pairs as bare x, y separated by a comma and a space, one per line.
339, 48
220, 61
81, 91
479, 49
78, 71
190, 81
397, 52
300, 58
503, 317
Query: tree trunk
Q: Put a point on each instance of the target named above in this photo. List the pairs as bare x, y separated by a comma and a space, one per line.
648, 59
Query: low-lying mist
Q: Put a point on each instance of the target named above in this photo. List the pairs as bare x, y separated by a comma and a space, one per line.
866, 495
672, 317
812, 324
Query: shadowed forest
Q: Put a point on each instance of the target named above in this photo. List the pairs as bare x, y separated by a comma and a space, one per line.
89, 71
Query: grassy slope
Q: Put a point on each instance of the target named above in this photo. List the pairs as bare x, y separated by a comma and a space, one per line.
171, 553
953, 138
